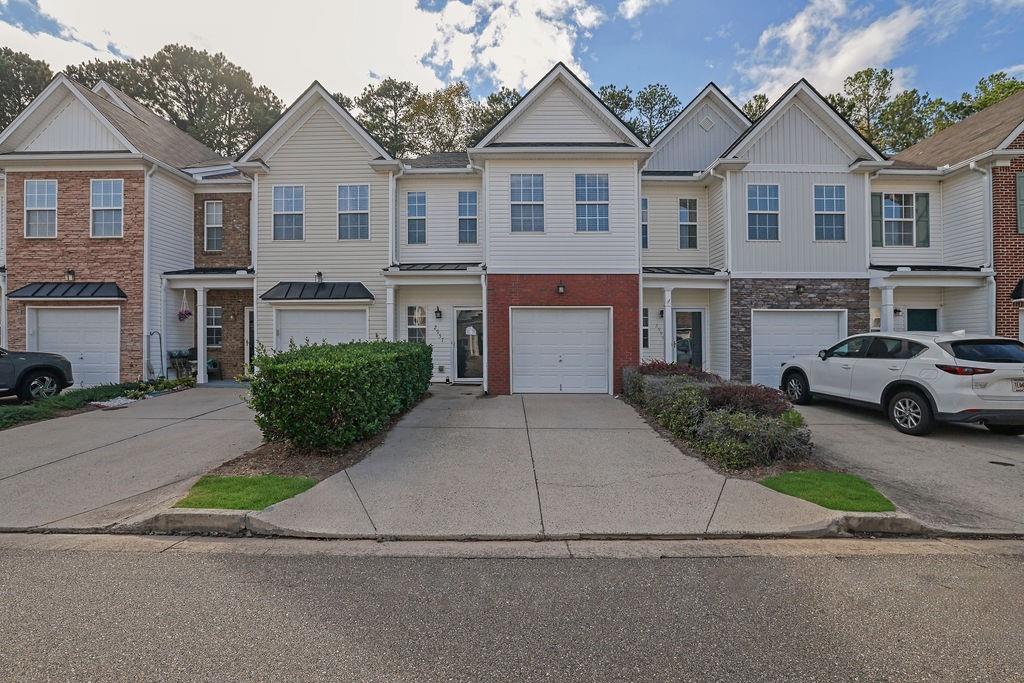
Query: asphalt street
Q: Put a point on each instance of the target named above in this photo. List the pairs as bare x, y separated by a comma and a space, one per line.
67, 614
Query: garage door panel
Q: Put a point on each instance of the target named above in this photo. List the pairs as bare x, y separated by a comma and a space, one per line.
88, 337
779, 335
560, 350
332, 326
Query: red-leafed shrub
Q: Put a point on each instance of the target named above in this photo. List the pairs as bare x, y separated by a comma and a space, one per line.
660, 367
747, 398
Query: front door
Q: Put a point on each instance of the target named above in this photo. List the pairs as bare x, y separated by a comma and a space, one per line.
469, 344
690, 338
922, 320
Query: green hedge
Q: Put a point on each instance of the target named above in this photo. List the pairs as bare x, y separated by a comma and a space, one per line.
329, 396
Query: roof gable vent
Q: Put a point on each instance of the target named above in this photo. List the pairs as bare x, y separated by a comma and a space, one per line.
707, 123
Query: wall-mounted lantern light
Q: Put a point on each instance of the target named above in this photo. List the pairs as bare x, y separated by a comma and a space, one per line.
69, 275
437, 313
661, 313
319, 277
560, 288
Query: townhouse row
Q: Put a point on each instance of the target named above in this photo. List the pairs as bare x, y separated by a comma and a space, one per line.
557, 251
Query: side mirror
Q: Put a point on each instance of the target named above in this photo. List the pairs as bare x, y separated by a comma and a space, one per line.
823, 354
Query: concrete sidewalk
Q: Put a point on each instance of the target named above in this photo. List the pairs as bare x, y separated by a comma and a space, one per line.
461, 465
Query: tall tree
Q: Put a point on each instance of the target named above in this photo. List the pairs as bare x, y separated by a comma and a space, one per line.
655, 106
484, 115
866, 94
619, 100
441, 120
992, 89
344, 100
386, 111
902, 122
21, 80
756, 106
127, 75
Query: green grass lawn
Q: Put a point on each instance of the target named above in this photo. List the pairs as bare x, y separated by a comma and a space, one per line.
13, 413
832, 490
243, 493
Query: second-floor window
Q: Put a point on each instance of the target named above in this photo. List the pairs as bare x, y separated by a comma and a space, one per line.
417, 219
591, 202
353, 212
416, 324
107, 207
829, 213
898, 217
289, 212
763, 212
214, 225
40, 208
214, 325
687, 223
643, 222
467, 217
527, 199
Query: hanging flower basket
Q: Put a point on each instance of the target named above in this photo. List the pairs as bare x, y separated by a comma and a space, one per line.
184, 313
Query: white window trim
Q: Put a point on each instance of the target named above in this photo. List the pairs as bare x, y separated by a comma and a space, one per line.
645, 326
207, 225
287, 213
459, 217
369, 203
645, 222
220, 327
695, 224
425, 217
56, 212
577, 202
543, 210
846, 224
92, 209
747, 212
912, 219
408, 326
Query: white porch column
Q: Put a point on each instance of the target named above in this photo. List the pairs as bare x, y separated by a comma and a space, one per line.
389, 299
669, 326
201, 335
888, 316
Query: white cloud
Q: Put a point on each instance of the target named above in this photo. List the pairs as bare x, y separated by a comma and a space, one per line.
1016, 70
631, 9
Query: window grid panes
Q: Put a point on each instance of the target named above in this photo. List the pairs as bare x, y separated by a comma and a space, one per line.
214, 325
416, 324
687, 223
591, 202
527, 200
643, 222
353, 212
214, 211
763, 212
898, 217
417, 217
645, 331
40, 208
829, 213
107, 206
467, 217
289, 205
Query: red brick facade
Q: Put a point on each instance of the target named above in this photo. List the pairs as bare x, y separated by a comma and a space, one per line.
93, 260
621, 292
235, 252
1008, 243
231, 352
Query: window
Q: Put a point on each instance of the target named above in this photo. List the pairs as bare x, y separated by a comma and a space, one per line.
40, 208
643, 222
416, 317
898, 217
830, 213
467, 218
416, 221
763, 212
851, 348
353, 212
591, 202
687, 223
214, 225
889, 348
988, 350
527, 197
107, 205
645, 328
214, 325
289, 210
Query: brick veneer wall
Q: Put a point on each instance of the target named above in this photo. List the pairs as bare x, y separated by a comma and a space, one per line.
93, 260
236, 253
231, 354
1008, 243
621, 292
747, 294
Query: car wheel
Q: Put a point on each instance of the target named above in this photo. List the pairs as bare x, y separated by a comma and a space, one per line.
910, 413
1006, 430
38, 385
794, 385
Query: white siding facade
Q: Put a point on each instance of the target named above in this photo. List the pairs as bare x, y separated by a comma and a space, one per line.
558, 116
697, 140
931, 255
72, 128
440, 333
663, 225
442, 193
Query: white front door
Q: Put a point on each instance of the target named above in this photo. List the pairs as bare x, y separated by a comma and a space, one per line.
320, 325
776, 336
88, 337
565, 350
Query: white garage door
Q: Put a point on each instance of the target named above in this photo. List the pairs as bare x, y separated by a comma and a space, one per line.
778, 335
560, 350
88, 337
335, 327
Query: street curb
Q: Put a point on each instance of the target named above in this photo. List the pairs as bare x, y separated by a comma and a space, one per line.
192, 522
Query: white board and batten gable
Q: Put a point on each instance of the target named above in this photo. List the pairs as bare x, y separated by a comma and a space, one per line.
698, 134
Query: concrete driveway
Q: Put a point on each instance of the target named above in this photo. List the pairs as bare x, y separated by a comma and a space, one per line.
97, 468
959, 478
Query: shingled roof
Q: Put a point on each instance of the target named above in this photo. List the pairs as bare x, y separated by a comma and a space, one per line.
439, 160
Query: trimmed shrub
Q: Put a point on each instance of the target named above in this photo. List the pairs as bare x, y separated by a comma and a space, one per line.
793, 418
686, 411
660, 367
749, 398
738, 440
329, 396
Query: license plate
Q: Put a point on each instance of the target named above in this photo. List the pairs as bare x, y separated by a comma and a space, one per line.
1018, 385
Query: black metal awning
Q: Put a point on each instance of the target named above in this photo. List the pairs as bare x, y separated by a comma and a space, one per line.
678, 270
927, 269
318, 291
436, 266
69, 290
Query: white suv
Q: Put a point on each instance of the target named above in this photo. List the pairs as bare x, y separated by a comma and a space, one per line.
919, 379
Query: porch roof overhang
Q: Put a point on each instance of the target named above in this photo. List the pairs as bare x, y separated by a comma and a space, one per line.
684, 277
929, 276
433, 274
210, 278
68, 291
317, 292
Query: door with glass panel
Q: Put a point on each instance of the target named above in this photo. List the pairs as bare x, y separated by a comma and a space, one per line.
690, 338
469, 344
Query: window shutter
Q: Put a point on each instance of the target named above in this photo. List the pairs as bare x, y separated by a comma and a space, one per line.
923, 228
876, 219
1020, 203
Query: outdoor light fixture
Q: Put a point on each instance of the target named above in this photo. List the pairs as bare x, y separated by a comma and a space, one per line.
437, 313
319, 277
69, 275
661, 313
560, 288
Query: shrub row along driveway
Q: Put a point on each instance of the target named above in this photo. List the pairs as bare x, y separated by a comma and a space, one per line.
460, 465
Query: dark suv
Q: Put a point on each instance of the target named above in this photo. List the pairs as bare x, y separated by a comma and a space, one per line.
33, 375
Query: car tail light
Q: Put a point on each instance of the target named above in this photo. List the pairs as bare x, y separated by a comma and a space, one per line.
963, 370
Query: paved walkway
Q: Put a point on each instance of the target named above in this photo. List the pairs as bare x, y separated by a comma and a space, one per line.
463, 465
102, 467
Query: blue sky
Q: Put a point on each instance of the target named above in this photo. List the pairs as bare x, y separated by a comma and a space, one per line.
940, 46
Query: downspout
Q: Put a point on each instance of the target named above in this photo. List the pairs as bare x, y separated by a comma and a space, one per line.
3, 264
147, 371
483, 298
254, 243
637, 173
393, 255
990, 255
